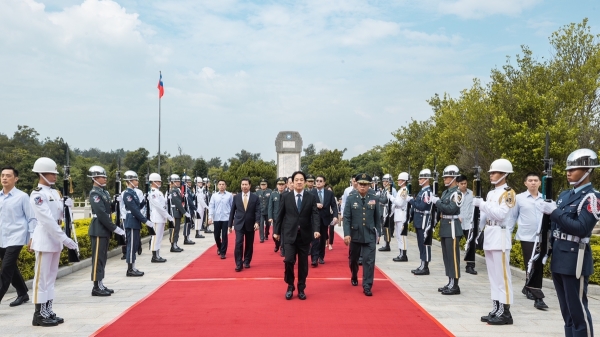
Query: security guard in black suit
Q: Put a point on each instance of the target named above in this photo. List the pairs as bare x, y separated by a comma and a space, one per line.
273, 207
573, 217
133, 221
177, 210
362, 222
100, 228
264, 193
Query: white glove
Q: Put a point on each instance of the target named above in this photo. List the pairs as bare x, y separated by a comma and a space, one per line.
119, 231
477, 201
546, 207
434, 199
70, 243
150, 224
69, 202
389, 196
119, 198
409, 198
187, 215
170, 218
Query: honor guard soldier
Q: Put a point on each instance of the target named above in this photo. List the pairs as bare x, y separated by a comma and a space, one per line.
190, 207
450, 229
422, 216
47, 241
207, 197
573, 217
264, 193
158, 215
310, 182
387, 211
273, 208
401, 216
201, 206
133, 221
466, 222
177, 210
362, 221
100, 229
498, 218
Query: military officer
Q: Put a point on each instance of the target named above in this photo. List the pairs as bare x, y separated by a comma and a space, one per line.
400, 209
498, 218
362, 220
158, 215
573, 217
264, 193
190, 207
450, 229
200, 201
100, 228
422, 216
177, 210
133, 221
273, 208
47, 241
310, 182
387, 211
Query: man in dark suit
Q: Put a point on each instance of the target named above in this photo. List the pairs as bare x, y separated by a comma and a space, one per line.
298, 223
328, 212
244, 217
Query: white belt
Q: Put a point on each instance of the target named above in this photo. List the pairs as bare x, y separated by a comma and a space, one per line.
569, 237
449, 216
424, 212
94, 216
495, 223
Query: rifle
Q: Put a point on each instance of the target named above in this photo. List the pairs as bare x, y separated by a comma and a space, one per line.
432, 221
184, 195
120, 238
147, 197
170, 224
476, 213
409, 213
69, 229
547, 239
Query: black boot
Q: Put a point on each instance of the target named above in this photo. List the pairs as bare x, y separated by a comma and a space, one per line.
491, 313
97, 291
199, 236
59, 320
175, 249
453, 288
156, 258
539, 304
502, 316
444, 287
424, 271
132, 271
418, 268
385, 248
402, 257
39, 319
103, 287
124, 251
471, 268
160, 257
187, 241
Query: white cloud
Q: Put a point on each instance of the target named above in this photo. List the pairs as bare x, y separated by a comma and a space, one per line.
477, 9
369, 30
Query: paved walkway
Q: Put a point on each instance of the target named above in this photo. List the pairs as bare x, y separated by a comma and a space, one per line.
85, 314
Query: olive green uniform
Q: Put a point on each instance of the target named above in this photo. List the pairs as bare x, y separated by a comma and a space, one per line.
100, 230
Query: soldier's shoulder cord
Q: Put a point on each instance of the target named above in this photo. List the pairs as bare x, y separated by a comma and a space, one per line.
509, 196
37, 189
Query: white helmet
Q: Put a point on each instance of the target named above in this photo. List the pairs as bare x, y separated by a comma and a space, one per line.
581, 158
501, 165
403, 176
44, 165
205, 180
198, 180
425, 174
154, 177
130, 175
186, 178
451, 171
96, 171
387, 177
174, 178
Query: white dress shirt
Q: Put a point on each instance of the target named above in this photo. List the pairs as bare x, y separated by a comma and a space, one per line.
528, 216
466, 211
17, 219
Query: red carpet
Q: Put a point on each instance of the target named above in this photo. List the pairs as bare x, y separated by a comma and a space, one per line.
208, 298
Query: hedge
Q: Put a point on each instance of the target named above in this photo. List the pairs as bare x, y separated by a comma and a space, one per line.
26, 261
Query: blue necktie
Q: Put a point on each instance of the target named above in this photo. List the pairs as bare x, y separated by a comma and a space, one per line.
299, 202
321, 196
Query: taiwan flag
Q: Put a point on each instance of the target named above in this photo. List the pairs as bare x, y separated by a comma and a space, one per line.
161, 88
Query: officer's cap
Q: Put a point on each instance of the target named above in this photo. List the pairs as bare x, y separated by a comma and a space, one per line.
310, 177
363, 178
263, 181
281, 180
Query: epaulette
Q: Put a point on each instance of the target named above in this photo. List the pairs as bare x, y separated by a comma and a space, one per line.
37, 189
508, 188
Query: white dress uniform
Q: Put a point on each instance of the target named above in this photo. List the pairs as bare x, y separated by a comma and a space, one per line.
47, 241
399, 204
200, 201
159, 216
497, 214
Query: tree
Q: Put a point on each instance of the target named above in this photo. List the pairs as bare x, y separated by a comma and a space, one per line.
244, 156
135, 159
370, 162
336, 170
253, 169
214, 162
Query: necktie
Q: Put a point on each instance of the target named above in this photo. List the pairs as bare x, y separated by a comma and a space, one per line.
321, 196
299, 202
245, 201
363, 200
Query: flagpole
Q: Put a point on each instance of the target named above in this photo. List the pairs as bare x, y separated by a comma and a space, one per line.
159, 98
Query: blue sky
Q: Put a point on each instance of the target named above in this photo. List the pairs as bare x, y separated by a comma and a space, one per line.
345, 74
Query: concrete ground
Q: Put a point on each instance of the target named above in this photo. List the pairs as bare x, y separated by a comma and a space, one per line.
460, 314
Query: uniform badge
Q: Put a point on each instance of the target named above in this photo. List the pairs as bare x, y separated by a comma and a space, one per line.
96, 199
38, 200
372, 202
174, 194
268, 194
275, 199
153, 196
129, 198
589, 206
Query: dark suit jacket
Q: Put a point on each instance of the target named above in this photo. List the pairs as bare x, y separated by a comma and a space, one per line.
329, 205
289, 218
240, 218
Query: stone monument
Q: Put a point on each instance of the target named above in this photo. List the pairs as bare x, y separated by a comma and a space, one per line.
288, 145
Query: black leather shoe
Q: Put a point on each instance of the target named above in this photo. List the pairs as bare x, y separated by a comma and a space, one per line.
59, 320
314, 264
39, 320
367, 292
199, 236
188, 242
100, 292
110, 291
289, 293
301, 295
267, 237
238, 268
208, 231
246, 265
470, 270
276, 249
134, 273
19, 300
175, 250
123, 257
158, 259
218, 251
354, 282
360, 262
451, 291
530, 296
440, 289
261, 241
504, 318
222, 256
400, 258
539, 304
321, 261
385, 248
424, 271
487, 318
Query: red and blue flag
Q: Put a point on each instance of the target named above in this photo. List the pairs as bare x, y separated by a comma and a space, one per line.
161, 88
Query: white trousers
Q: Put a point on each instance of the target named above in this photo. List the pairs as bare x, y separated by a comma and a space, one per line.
498, 268
46, 268
401, 239
199, 220
155, 241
